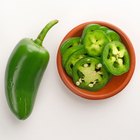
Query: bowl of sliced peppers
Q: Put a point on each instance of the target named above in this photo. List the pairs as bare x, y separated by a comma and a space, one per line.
96, 60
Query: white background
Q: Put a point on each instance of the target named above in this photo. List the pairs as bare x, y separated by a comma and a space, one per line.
59, 114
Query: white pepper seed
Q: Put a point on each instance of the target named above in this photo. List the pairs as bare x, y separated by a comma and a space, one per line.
77, 83
80, 80
85, 65
99, 65
90, 85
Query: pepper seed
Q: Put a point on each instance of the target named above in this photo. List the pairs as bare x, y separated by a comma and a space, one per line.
94, 82
99, 72
77, 83
85, 65
80, 80
91, 85
99, 65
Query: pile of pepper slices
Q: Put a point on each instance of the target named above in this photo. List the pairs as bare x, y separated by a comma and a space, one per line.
92, 59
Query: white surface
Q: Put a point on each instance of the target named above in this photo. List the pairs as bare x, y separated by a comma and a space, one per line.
59, 114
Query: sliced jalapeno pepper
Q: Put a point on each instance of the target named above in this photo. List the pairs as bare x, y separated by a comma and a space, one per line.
73, 59
69, 43
68, 47
90, 74
112, 35
94, 42
116, 58
89, 28
103, 28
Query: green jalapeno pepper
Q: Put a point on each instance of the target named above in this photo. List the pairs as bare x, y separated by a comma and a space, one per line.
112, 35
103, 28
89, 28
68, 47
94, 42
116, 58
90, 74
24, 72
73, 59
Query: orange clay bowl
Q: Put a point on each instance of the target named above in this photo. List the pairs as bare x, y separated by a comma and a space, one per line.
116, 84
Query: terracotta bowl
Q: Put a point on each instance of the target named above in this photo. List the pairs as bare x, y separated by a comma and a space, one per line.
116, 84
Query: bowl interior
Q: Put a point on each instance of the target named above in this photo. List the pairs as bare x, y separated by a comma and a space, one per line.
116, 84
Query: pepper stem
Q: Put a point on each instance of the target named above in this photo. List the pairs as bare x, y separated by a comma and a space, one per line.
44, 31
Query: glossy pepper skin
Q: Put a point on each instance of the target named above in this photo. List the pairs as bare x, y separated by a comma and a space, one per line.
89, 29
94, 42
68, 47
90, 74
116, 58
24, 72
76, 56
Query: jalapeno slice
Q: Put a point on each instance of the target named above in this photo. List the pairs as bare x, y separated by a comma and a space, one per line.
90, 74
68, 47
94, 42
112, 35
73, 59
69, 43
103, 28
89, 28
116, 58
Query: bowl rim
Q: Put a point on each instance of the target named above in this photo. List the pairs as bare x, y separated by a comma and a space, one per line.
81, 92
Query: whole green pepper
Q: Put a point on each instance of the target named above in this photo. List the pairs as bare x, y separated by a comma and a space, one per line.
24, 72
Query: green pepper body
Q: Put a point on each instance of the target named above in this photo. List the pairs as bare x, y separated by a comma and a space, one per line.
24, 72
